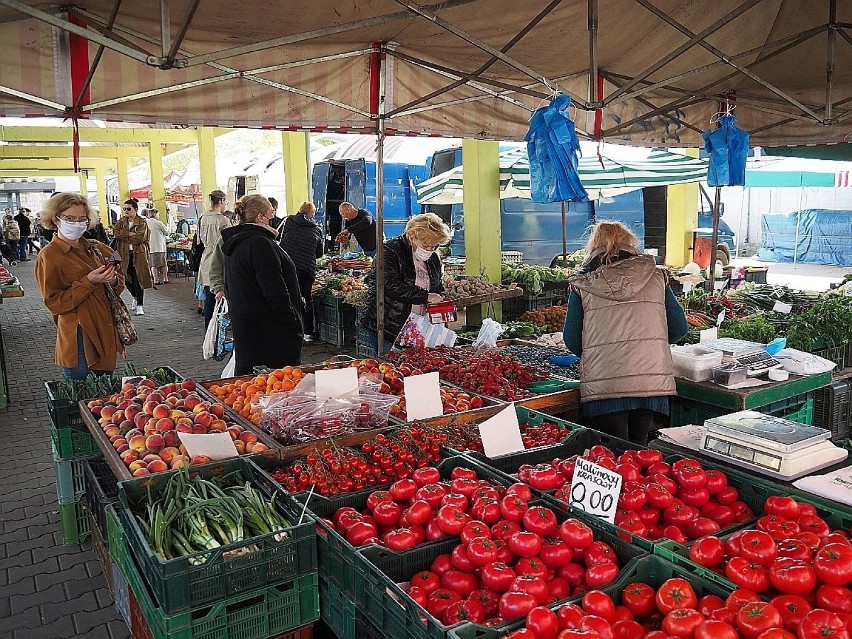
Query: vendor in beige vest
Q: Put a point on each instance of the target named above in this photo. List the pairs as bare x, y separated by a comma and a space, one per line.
621, 318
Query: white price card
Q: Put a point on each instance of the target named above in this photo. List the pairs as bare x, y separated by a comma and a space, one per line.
501, 434
214, 446
708, 335
595, 490
336, 382
781, 307
721, 318
423, 396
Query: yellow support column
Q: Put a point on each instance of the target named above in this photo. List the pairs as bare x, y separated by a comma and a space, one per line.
482, 233
681, 219
207, 162
297, 170
103, 203
121, 172
83, 176
158, 186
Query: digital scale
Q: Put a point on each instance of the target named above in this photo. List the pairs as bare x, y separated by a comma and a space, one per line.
750, 354
770, 445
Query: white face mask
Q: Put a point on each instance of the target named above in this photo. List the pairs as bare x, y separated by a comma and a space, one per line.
72, 230
422, 254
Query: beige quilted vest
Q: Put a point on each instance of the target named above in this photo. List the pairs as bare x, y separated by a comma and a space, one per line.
625, 335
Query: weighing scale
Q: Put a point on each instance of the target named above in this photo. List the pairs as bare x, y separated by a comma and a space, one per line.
770, 445
750, 354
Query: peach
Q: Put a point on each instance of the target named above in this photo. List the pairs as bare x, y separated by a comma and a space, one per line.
117, 417
257, 447
164, 424
149, 406
172, 401
169, 453
248, 437
112, 430
171, 438
156, 396
148, 383
129, 456
133, 432
179, 462
240, 446
141, 419
96, 410
176, 414
218, 410
182, 450
155, 443
183, 393
132, 411
234, 432
135, 465
126, 426
201, 459
198, 429
94, 403
218, 425
150, 457
201, 407
157, 466
161, 410
140, 472
138, 443
125, 404
204, 418
113, 439
188, 384
192, 401
122, 448
183, 427
108, 410
118, 441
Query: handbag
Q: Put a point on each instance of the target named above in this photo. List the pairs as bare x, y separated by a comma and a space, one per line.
217, 344
197, 250
120, 315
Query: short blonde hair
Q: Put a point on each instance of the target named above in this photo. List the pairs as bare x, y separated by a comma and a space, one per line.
307, 209
249, 207
61, 202
609, 238
428, 229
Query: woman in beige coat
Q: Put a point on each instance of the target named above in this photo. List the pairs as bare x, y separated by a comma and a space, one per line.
131, 237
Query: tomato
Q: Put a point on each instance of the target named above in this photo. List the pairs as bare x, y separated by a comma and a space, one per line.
682, 622
461, 582
361, 533
433, 531
758, 547
574, 574
709, 603
535, 586
440, 600
833, 564
596, 624
559, 588
441, 564
632, 498
504, 529
525, 544
521, 490
601, 575
452, 520
834, 598
795, 549
596, 602
722, 515
658, 496
786, 507
727, 496
674, 594
702, 526
674, 533
513, 507
776, 633
792, 576
464, 486
543, 622
425, 476
599, 553
489, 600
461, 560
728, 615
530, 566
741, 597
474, 529
628, 471
747, 575
712, 629
626, 629
418, 595
520, 633
696, 497
486, 510
377, 497
639, 598
707, 551
822, 623
555, 553
418, 513
813, 524
576, 534
400, 539
792, 609
497, 576
403, 489
753, 618
543, 477
516, 604
809, 539
579, 633
456, 499
678, 514
432, 494
689, 473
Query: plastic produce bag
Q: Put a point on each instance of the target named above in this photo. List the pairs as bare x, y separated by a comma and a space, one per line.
231, 366
211, 337
419, 332
728, 148
488, 334
801, 363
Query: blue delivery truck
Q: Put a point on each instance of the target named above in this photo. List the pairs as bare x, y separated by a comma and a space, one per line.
533, 229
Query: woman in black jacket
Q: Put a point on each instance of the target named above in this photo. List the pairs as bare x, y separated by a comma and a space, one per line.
301, 239
262, 289
412, 277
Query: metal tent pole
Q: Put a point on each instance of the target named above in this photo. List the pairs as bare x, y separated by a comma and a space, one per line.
380, 175
564, 237
717, 204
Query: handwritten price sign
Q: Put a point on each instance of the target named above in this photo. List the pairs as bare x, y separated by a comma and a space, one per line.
595, 490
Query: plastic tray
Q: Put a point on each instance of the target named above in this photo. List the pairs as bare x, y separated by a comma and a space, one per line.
72, 442
337, 610
70, 478
121, 594
335, 334
379, 571
649, 569
364, 629
101, 491
74, 519
99, 547
337, 561
835, 353
194, 580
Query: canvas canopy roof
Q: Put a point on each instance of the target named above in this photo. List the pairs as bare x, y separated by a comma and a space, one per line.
649, 72
602, 176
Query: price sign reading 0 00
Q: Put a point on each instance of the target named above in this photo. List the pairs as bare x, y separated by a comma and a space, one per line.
595, 490
597, 500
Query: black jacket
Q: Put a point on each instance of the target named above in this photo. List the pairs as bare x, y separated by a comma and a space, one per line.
24, 224
363, 227
400, 290
263, 299
301, 239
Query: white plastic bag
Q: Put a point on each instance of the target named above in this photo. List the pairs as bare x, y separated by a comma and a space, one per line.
801, 363
230, 366
488, 334
209, 346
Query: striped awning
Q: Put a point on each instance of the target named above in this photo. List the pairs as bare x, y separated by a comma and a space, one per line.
602, 176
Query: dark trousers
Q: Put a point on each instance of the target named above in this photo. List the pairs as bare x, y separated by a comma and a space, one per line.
306, 282
632, 425
22, 247
209, 305
133, 285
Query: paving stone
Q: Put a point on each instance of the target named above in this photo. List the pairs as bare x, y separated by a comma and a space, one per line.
87, 621
29, 619
87, 602
118, 630
53, 595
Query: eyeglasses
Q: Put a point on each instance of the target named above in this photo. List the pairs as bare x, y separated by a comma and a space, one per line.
73, 220
431, 248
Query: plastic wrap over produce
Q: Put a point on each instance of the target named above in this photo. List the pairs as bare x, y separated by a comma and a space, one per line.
299, 417
824, 237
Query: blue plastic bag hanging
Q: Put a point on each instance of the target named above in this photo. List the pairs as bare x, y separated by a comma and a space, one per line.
728, 149
554, 153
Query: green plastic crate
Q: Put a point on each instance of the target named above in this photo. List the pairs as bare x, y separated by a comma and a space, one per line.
686, 411
74, 519
73, 442
65, 413
70, 478
387, 606
114, 536
256, 614
836, 518
835, 352
337, 610
336, 555
803, 415
335, 334
188, 582
649, 569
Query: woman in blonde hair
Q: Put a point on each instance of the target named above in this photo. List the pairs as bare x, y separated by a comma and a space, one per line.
301, 239
412, 277
263, 290
72, 273
621, 318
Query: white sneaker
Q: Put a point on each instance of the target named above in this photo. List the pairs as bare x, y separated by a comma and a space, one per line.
139, 310
308, 338
133, 304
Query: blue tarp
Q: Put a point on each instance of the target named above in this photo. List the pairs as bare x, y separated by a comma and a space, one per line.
825, 237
